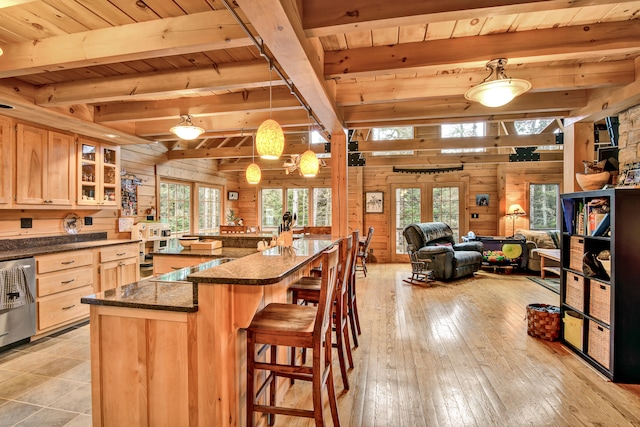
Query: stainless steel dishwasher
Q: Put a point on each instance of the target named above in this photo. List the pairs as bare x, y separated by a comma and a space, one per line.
17, 324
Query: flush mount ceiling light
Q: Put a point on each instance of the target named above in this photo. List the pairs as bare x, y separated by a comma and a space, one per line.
270, 138
186, 130
498, 92
253, 172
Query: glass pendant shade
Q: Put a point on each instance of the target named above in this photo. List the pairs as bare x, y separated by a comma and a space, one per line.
270, 140
497, 93
253, 174
501, 90
186, 130
309, 165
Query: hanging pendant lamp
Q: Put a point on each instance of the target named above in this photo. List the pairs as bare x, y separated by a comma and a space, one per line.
270, 138
498, 92
186, 130
253, 172
309, 165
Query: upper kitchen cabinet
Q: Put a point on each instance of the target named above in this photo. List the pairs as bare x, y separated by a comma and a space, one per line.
98, 174
6, 157
45, 167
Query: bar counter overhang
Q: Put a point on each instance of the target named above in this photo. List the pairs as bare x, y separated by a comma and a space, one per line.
154, 364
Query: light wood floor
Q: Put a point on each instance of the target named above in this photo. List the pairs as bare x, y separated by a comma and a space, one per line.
457, 354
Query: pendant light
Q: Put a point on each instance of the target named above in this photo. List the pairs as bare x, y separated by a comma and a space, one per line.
270, 138
309, 165
498, 92
186, 130
253, 172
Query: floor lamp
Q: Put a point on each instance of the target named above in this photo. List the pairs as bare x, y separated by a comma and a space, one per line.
514, 211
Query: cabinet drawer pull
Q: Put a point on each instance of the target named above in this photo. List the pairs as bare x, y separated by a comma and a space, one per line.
68, 307
121, 264
600, 328
68, 262
575, 278
66, 282
603, 287
177, 268
121, 253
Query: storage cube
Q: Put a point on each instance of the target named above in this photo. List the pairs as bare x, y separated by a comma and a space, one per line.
572, 332
599, 344
600, 301
574, 295
576, 253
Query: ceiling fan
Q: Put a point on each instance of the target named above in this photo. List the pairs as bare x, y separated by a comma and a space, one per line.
294, 163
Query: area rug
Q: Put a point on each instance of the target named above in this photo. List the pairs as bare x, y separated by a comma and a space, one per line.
551, 283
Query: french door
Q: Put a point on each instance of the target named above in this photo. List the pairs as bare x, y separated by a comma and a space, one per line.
425, 202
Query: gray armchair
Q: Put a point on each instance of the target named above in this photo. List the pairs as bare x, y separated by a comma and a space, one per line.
449, 260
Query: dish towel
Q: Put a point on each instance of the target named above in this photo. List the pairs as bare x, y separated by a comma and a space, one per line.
14, 289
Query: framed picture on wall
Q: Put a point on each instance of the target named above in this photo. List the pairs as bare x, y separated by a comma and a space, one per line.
482, 200
374, 202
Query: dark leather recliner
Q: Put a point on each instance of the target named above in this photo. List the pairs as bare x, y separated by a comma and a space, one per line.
449, 260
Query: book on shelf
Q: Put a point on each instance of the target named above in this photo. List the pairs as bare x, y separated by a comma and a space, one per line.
603, 222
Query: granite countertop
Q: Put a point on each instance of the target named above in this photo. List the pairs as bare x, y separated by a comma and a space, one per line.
150, 294
223, 252
264, 268
39, 249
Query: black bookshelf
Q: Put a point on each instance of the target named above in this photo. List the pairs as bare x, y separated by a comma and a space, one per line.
603, 325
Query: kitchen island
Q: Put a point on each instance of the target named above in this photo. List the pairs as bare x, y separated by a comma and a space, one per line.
181, 364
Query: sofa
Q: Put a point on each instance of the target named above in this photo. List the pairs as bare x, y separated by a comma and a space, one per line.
434, 241
539, 239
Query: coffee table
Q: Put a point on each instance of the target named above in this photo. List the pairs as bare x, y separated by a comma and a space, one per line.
552, 254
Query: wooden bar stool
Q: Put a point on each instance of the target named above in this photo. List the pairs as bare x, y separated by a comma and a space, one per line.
307, 290
352, 303
295, 326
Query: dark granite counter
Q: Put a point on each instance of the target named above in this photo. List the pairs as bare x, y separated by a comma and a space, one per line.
178, 290
236, 240
37, 246
223, 252
264, 268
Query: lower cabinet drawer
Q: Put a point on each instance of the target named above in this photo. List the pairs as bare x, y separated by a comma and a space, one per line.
63, 307
65, 280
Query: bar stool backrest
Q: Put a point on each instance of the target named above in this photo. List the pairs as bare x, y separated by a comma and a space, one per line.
325, 304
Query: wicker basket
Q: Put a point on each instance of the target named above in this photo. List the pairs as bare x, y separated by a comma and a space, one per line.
543, 321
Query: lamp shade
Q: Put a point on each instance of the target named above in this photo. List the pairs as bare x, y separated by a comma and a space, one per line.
309, 165
515, 210
496, 93
186, 130
270, 140
253, 173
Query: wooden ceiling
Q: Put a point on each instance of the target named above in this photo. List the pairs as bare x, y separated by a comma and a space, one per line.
131, 68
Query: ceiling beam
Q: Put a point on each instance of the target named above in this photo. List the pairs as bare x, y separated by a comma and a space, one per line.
562, 43
329, 17
278, 23
198, 32
530, 103
488, 118
465, 142
168, 84
451, 159
549, 78
237, 152
255, 100
265, 165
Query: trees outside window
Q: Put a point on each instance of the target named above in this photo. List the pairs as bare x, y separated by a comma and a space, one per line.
543, 206
312, 206
446, 208
271, 208
391, 133
175, 206
298, 203
322, 207
408, 208
459, 130
209, 208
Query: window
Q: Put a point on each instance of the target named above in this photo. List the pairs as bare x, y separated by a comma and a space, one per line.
271, 208
321, 207
298, 204
209, 208
175, 206
543, 206
446, 208
408, 208
391, 133
531, 127
459, 130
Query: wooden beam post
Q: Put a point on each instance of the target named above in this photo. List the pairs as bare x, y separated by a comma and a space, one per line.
339, 190
578, 146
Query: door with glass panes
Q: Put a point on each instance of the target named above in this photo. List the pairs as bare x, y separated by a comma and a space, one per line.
425, 202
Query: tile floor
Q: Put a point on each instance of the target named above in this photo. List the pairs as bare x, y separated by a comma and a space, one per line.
47, 382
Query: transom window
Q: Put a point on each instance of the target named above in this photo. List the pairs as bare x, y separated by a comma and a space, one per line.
392, 133
531, 127
459, 130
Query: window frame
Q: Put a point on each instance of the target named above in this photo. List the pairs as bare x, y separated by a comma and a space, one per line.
531, 208
194, 187
285, 202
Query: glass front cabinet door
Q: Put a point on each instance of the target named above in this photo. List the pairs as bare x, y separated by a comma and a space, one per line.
99, 183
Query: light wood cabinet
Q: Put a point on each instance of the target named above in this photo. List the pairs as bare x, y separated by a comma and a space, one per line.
45, 167
119, 266
6, 160
98, 174
61, 280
